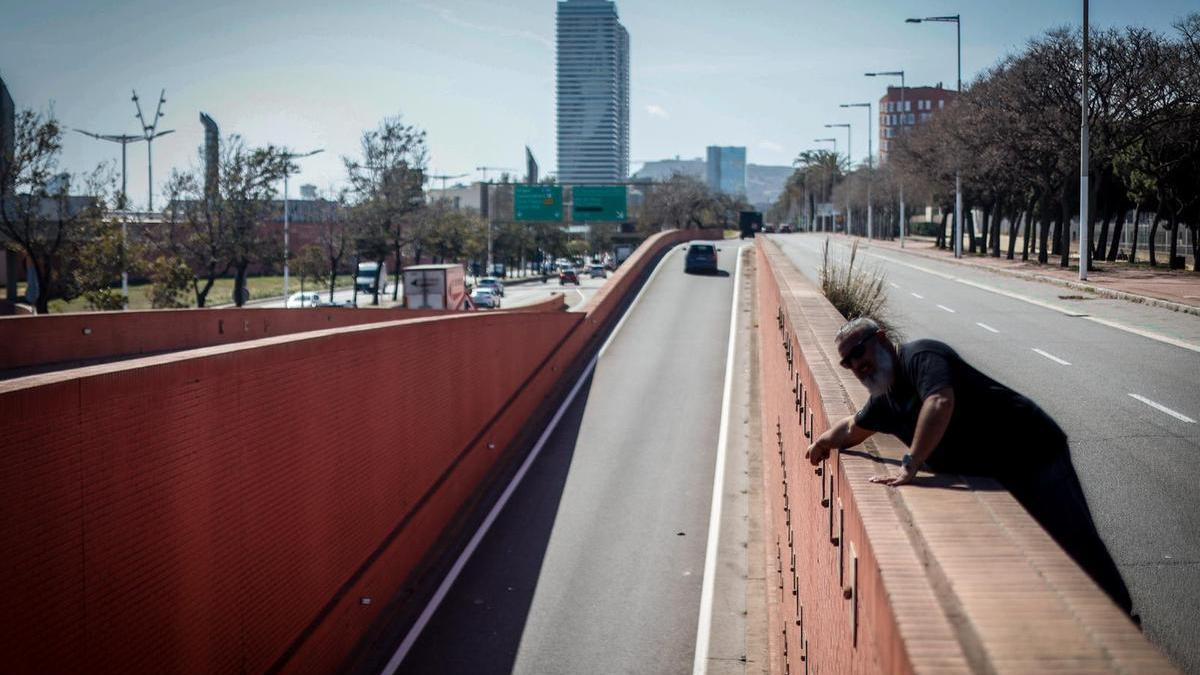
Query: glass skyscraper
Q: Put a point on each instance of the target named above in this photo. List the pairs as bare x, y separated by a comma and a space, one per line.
726, 169
593, 93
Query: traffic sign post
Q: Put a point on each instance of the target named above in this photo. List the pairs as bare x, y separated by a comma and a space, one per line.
538, 203
599, 203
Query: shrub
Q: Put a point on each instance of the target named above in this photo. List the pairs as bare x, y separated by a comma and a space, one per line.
856, 292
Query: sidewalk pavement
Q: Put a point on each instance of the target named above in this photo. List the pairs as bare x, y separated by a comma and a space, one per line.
1173, 289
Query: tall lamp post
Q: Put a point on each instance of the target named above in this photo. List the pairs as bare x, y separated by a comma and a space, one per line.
870, 165
122, 200
957, 21
150, 132
903, 121
1085, 249
849, 149
829, 185
287, 251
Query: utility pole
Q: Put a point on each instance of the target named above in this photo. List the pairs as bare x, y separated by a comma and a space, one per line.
1085, 252
150, 132
122, 201
903, 121
870, 164
829, 183
287, 250
849, 149
956, 19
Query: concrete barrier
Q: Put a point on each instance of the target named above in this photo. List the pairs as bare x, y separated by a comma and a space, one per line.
254, 506
955, 577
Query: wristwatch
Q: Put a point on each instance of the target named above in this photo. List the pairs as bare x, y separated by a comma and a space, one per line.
907, 463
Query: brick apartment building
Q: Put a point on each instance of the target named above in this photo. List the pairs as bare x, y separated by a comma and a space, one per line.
919, 106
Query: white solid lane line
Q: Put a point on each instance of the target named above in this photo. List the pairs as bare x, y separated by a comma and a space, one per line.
917, 296
1051, 356
986, 327
894, 284
1163, 408
704, 625
946, 308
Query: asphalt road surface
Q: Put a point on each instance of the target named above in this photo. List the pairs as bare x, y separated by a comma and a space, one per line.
596, 563
1129, 404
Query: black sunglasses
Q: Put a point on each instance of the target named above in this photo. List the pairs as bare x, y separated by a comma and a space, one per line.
858, 350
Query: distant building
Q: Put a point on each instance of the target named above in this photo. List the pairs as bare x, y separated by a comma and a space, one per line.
593, 93
920, 104
764, 183
8, 136
726, 169
458, 197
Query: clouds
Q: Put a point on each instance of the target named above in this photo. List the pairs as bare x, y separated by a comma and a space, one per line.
656, 110
770, 146
453, 19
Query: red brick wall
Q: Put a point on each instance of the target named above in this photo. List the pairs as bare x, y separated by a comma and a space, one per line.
950, 578
226, 509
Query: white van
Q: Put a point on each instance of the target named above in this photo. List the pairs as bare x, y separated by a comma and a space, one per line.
364, 280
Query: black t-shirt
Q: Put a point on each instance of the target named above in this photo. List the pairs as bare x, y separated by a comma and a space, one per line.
994, 431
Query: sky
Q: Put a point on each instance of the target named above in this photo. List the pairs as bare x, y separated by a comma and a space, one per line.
478, 75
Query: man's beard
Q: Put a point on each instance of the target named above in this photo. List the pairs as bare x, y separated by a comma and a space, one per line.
878, 382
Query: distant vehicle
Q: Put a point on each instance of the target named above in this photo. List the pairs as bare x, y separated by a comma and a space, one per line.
749, 222
303, 299
597, 271
785, 227
435, 287
568, 276
367, 275
700, 258
492, 283
499, 270
485, 297
621, 253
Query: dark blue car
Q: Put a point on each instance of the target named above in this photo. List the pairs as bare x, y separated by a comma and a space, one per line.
701, 258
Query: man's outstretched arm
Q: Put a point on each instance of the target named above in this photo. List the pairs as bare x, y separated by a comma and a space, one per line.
844, 434
934, 418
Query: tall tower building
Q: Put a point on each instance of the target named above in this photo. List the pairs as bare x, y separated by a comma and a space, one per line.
593, 93
725, 169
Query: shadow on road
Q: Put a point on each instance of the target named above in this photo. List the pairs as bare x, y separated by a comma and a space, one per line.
479, 625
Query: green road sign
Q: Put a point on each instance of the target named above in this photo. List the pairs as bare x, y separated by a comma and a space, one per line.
542, 203
600, 203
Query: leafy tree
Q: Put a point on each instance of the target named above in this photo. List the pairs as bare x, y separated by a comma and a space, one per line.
170, 279
387, 185
38, 216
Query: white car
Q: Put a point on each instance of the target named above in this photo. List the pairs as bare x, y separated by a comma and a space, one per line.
304, 299
595, 271
485, 297
494, 284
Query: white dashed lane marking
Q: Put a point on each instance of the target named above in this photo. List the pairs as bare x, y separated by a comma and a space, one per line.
1051, 357
1163, 408
986, 327
946, 308
917, 296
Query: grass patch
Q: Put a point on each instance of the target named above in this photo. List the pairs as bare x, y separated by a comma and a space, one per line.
856, 292
261, 288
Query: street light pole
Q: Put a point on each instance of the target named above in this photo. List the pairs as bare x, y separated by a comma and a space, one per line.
902, 118
829, 183
957, 21
150, 132
287, 159
1085, 252
849, 150
870, 165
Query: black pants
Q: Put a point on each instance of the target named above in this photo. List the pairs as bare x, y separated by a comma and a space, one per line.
1054, 498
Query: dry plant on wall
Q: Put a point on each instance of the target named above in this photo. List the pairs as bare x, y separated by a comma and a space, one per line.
856, 292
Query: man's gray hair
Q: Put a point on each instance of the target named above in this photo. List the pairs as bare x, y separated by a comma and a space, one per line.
855, 325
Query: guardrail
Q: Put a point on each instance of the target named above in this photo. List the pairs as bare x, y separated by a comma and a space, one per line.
861, 578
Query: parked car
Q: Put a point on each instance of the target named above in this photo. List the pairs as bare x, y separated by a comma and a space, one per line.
597, 270
484, 297
492, 283
568, 276
700, 258
303, 299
